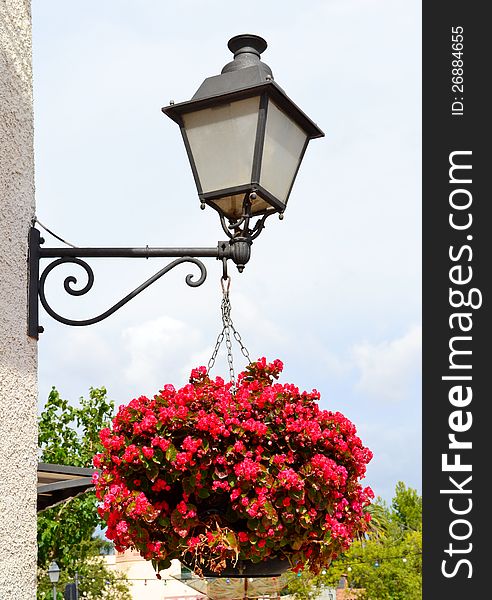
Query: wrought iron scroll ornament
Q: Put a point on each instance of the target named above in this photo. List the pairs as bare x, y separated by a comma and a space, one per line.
69, 281
240, 228
237, 250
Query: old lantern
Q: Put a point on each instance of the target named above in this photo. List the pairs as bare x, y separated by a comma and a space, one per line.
244, 136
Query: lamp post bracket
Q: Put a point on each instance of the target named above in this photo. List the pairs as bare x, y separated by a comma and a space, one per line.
74, 256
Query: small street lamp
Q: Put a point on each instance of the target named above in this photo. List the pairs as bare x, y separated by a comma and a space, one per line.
54, 574
245, 140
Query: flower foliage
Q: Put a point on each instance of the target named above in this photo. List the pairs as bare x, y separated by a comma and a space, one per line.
211, 476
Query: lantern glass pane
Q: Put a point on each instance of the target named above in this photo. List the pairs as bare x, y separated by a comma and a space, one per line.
222, 141
284, 143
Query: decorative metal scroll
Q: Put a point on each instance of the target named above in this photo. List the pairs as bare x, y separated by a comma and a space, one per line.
70, 281
250, 233
240, 228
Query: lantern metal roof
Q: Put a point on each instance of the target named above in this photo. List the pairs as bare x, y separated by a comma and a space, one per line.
245, 76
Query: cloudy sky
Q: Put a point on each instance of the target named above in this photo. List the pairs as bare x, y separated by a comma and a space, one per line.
333, 290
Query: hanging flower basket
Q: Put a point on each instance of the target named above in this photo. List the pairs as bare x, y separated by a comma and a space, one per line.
227, 480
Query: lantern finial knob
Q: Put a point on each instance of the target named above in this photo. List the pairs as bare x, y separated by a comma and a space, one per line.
247, 49
247, 42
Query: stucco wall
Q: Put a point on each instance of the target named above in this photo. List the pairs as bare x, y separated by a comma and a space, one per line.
18, 353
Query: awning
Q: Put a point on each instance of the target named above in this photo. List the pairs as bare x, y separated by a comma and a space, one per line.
57, 483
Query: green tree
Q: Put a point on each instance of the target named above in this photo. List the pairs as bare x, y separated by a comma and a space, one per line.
407, 507
386, 563
69, 435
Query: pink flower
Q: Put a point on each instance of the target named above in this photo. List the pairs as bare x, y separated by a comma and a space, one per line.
160, 485
147, 452
161, 443
247, 469
122, 528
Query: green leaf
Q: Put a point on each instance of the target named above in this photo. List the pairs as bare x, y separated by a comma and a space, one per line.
158, 456
187, 487
153, 471
231, 538
171, 453
296, 544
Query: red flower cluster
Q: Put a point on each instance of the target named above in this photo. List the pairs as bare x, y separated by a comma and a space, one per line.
206, 475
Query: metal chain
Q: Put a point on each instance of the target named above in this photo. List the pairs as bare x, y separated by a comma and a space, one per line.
226, 319
225, 334
237, 337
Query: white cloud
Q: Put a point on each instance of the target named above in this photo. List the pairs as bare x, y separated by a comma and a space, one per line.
157, 349
254, 325
80, 358
388, 369
164, 350
397, 456
87, 345
334, 364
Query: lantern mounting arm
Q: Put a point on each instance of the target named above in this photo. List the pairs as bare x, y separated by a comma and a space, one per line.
236, 250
